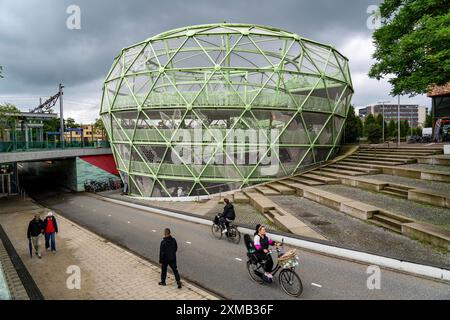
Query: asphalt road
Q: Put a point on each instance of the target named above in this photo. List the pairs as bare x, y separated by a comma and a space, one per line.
221, 266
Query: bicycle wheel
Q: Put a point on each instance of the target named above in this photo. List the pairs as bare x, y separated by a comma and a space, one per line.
234, 235
252, 268
290, 282
216, 231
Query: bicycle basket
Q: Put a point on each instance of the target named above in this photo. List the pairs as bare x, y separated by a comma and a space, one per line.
288, 260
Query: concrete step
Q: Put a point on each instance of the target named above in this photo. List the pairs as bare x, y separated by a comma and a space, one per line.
417, 149
284, 190
381, 158
393, 193
388, 155
340, 171
240, 197
435, 161
426, 232
360, 164
401, 191
379, 162
305, 181
385, 225
386, 152
355, 168
259, 201
267, 191
422, 174
283, 217
319, 178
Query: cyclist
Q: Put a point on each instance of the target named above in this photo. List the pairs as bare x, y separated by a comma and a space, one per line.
227, 216
262, 242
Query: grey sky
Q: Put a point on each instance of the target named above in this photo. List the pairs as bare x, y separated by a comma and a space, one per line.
37, 51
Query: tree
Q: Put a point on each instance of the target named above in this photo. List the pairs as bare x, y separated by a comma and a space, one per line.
370, 119
8, 118
100, 127
392, 129
412, 45
379, 120
52, 125
404, 128
428, 120
353, 127
70, 123
374, 133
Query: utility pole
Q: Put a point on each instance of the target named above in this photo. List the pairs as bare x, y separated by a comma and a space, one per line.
61, 116
398, 122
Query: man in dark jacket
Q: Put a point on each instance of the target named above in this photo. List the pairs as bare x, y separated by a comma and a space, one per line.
167, 257
227, 216
35, 229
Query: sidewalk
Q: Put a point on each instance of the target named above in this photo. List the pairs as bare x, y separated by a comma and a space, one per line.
107, 271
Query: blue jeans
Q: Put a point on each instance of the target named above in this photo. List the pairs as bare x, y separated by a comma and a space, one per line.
50, 240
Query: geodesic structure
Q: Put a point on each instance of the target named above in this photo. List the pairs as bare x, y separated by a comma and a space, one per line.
224, 80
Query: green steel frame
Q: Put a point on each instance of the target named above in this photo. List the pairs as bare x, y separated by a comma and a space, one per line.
221, 78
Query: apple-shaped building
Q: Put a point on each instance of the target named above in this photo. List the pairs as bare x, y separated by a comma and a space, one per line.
211, 108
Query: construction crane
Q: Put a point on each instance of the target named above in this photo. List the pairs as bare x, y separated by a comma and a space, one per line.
49, 104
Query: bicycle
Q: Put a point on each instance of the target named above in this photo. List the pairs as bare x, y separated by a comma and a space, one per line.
232, 235
288, 279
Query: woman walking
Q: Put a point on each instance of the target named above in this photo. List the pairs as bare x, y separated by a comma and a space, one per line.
50, 230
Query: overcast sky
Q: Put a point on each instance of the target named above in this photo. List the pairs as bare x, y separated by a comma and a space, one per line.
38, 51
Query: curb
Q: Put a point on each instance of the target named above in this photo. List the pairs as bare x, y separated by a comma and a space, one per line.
357, 256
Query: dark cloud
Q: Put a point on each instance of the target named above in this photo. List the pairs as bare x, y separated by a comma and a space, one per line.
38, 51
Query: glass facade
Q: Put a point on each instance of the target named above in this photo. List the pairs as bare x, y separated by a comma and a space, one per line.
211, 108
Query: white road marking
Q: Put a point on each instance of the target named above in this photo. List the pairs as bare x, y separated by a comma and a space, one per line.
188, 242
316, 285
109, 215
238, 259
128, 222
153, 230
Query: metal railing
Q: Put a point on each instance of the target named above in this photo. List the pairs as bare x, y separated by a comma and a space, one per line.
20, 146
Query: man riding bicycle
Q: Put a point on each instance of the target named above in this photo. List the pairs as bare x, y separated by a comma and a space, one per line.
227, 216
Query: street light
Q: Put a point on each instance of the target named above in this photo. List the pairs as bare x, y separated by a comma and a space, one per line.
383, 102
398, 122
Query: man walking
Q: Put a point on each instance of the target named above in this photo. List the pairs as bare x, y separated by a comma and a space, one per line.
35, 229
50, 229
167, 257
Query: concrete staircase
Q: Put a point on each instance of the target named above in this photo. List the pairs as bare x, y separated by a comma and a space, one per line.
350, 170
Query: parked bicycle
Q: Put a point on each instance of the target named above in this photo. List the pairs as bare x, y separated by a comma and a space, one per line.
232, 235
102, 185
288, 279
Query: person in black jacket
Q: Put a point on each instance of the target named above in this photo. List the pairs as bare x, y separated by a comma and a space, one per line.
35, 229
167, 257
227, 216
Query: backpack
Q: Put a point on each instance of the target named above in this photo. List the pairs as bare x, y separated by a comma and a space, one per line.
249, 244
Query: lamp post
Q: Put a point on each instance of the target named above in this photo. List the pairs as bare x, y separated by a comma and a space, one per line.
382, 110
398, 122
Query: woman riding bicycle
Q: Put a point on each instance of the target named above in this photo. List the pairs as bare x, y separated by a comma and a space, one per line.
262, 243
